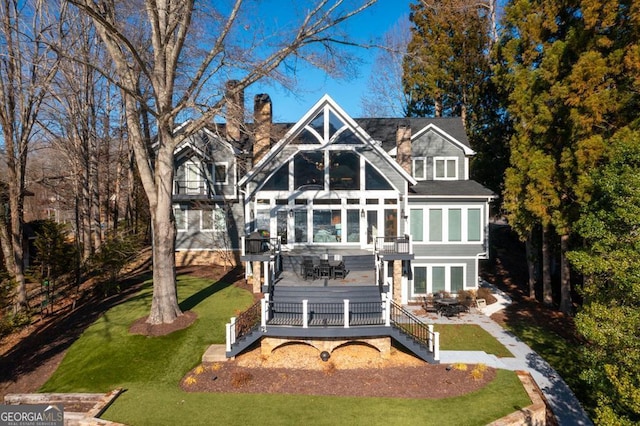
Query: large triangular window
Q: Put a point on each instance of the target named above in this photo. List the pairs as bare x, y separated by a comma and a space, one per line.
327, 128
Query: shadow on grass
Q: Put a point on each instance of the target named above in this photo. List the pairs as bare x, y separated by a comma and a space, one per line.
55, 333
220, 284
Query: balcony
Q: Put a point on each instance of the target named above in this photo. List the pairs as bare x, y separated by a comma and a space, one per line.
192, 190
394, 248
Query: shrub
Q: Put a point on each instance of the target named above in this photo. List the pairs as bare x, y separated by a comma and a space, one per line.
485, 293
240, 378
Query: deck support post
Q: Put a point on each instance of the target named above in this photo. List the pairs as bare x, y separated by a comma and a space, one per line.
264, 312
266, 269
346, 313
387, 312
305, 313
436, 346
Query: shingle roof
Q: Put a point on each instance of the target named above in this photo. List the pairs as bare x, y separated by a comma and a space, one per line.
384, 129
450, 188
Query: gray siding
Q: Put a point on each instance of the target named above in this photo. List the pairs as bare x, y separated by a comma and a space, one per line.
430, 145
219, 239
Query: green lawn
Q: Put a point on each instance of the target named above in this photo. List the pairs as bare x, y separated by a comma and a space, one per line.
463, 337
106, 357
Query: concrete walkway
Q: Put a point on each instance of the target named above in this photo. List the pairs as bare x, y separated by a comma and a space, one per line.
560, 397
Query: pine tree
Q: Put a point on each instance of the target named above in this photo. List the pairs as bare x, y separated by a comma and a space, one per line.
610, 261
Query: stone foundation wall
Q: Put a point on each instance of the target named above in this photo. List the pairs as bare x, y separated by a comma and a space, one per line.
207, 258
382, 344
531, 415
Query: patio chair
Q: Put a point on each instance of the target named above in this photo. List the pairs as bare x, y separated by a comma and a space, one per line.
324, 270
308, 270
429, 305
339, 271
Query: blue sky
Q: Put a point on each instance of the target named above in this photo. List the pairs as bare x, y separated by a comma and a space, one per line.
369, 26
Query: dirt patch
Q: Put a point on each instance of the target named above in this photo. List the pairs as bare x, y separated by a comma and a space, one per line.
353, 370
141, 326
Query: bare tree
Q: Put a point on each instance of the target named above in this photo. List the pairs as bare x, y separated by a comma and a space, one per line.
27, 66
229, 47
385, 95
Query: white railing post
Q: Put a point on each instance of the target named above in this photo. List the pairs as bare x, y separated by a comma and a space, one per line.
387, 320
228, 330
265, 267
430, 337
346, 313
242, 245
263, 312
305, 313
436, 346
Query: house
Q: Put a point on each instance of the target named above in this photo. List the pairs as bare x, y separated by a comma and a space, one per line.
396, 188
389, 199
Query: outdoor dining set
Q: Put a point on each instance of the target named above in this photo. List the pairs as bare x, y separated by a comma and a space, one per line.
446, 306
323, 267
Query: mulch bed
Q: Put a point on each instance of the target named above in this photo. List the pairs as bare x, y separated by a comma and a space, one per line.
353, 370
429, 381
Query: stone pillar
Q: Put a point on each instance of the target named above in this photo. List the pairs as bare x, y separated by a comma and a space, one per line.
397, 281
257, 276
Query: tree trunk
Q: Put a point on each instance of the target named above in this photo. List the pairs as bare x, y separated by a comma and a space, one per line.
547, 295
530, 251
164, 306
566, 304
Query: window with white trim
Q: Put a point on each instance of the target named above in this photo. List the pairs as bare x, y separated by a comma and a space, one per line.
420, 168
180, 214
220, 173
433, 279
445, 168
444, 224
207, 219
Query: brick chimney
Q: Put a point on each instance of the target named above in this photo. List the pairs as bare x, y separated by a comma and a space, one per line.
235, 110
403, 144
262, 118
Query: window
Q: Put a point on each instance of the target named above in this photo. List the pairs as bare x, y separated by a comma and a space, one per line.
473, 225
416, 221
300, 219
207, 220
435, 225
449, 224
344, 170
420, 168
309, 169
193, 181
180, 214
353, 226
213, 219
457, 278
279, 181
438, 282
220, 173
455, 225
419, 280
374, 180
433, 279
445, 168
326, 226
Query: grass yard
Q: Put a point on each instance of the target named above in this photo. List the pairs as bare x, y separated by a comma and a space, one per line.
463, 337
106, 357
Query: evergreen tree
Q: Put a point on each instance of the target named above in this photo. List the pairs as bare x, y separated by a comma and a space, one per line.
571, 88
446, 61
610, 261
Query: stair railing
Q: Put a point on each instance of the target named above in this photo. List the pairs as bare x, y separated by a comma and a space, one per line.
410, 325
243, 324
